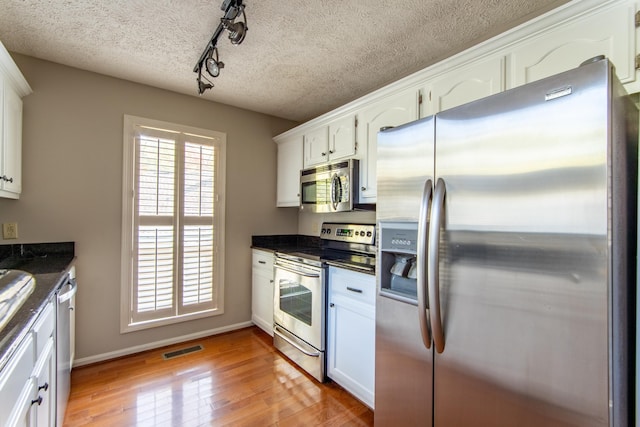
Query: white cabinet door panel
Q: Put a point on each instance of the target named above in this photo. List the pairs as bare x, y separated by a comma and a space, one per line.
470, 83
288, 172
395, 110
610, 32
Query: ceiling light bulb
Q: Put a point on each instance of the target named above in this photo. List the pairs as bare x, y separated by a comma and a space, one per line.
212, 65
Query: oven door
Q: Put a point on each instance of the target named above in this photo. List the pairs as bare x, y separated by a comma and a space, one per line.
299, 301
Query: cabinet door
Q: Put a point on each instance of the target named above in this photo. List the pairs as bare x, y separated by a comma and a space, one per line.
262, 290
288, 171
469, 83
16, 385
12, 144
43, 398
610, 32
394, 110
342, 138
351, 332
316, 146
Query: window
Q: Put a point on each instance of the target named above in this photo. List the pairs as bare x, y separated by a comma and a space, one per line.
173, 223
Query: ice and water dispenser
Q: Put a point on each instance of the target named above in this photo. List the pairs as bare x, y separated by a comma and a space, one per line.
398, 268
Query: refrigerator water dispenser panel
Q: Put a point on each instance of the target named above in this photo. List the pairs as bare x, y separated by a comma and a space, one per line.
398, 245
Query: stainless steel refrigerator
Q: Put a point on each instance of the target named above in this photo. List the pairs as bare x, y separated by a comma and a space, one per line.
506, 264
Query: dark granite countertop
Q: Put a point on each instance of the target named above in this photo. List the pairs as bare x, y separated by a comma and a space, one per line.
49, 264
296, 243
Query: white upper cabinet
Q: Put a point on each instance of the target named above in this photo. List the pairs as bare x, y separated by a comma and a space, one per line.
394, 110
342, 138
316, 146
462, 85
288, 170
554, 42
11, 167
13, 87
610, 32
327, 143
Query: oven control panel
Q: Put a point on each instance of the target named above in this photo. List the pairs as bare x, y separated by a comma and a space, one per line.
351, 233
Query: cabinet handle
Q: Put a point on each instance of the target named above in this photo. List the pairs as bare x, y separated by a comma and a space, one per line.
363, 188
358, 291
262, 262
331, 305
7, 179
331, 151
44, 387
324, 154
38, 401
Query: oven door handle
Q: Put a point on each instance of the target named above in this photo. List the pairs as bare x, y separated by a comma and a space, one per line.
276, 330
290, 270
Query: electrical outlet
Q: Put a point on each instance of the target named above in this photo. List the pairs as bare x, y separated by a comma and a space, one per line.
10, 230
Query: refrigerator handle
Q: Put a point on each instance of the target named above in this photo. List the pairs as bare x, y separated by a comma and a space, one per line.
433, 280
421, 263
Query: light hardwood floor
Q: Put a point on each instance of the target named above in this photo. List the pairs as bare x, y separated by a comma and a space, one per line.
238, 379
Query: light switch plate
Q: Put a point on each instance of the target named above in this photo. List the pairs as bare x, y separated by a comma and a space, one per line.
10, 230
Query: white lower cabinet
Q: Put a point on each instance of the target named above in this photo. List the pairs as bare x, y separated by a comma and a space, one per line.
16, 386
351, 327
27, 382
262, 290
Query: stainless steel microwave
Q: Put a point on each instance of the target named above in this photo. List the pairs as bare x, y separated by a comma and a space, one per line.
330, 188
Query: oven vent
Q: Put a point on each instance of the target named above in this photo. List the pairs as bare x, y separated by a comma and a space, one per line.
181, 352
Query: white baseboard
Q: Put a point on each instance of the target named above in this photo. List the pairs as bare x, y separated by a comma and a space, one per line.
157, 344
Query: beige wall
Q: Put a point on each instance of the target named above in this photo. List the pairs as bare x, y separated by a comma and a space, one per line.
72, 183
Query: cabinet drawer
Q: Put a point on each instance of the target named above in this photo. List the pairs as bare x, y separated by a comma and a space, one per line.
14, 377
263, 260
43, 328
360, 287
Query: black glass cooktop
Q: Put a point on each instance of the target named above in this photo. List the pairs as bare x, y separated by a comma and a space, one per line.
337, 257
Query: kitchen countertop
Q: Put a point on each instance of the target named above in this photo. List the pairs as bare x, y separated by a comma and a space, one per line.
49, 264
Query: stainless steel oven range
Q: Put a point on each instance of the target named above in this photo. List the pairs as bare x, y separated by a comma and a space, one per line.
300, 291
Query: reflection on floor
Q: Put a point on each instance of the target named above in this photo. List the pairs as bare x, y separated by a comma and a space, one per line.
238, 379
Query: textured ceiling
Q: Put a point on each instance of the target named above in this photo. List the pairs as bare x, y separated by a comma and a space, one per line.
299, 59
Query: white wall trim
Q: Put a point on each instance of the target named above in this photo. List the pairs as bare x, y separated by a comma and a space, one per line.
157, 344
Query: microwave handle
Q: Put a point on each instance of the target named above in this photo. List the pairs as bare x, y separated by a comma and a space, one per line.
335, 189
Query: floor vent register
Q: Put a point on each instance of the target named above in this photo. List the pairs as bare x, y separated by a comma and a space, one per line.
177, 353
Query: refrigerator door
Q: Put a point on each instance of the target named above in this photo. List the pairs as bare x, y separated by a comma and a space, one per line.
523, 256
404, 365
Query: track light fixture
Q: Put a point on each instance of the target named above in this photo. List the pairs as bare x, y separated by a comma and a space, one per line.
213, 65
237, 32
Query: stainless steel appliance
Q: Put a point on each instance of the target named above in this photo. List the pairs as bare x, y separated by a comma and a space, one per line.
330, 188
300, 291
520, 212
65, 341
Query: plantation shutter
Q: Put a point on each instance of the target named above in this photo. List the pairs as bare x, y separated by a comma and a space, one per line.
174, 245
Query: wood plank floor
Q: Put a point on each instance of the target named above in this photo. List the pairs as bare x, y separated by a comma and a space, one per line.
238, 379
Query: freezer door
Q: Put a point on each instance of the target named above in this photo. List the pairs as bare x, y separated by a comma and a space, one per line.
405, 163
404, 367
524, 259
